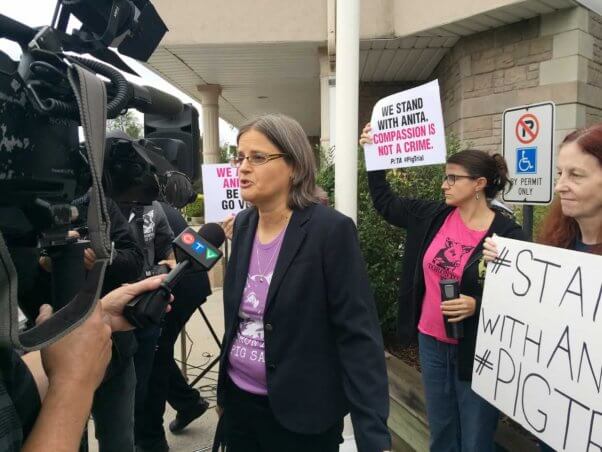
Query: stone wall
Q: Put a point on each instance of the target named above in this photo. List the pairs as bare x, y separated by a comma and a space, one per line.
484, 65
594, 74
593, 113
370, 93
556, 57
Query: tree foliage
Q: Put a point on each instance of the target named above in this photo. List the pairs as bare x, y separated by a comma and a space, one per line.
128, 123
381, 243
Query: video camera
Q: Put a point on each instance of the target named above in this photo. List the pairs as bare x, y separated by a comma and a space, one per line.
43, 167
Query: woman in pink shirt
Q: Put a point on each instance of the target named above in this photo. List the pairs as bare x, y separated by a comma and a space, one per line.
444, 241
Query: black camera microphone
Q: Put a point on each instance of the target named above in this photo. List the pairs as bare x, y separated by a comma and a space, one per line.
148, 99
199, 251
178, 189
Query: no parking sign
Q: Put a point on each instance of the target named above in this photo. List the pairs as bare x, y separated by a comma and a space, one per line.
528, 147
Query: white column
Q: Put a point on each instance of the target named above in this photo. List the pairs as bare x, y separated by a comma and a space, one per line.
347, 79
210, 101
324, 99
332, 101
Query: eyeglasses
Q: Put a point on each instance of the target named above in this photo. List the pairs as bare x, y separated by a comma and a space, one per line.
451, 178
255, 159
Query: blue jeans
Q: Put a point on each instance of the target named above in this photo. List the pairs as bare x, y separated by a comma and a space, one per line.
459, 419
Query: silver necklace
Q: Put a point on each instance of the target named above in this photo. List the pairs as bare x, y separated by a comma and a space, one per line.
262, 275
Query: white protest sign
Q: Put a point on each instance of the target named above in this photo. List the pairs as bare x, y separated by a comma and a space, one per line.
221, 192
407, 130
538, 356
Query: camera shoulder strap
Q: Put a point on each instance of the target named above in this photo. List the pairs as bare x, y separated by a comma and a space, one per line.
92, 102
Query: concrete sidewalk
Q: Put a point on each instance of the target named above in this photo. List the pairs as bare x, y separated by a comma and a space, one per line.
201, 349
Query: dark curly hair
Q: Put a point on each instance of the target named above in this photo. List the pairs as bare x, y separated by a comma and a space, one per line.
481, 164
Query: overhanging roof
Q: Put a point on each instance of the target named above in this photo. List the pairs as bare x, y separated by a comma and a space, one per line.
413, 58
284, 76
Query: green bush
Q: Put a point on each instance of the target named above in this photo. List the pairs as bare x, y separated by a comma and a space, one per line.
381, 243
539, 213
196, 208
226, 152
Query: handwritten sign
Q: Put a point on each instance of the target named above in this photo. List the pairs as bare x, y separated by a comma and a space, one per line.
407, 130
221, 192
538, 356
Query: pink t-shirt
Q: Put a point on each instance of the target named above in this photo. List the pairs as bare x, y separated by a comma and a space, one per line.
445, 258
247, 355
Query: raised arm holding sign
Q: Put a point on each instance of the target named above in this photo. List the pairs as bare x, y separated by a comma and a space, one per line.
443, 249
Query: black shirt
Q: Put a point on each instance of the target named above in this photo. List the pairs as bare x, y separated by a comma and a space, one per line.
583, 247
19, 401
151, 223
128, 260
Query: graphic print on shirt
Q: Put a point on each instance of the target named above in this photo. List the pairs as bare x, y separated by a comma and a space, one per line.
247, 368
249, 343
149, 225
449, 258
252, 326
251, 329
254, 283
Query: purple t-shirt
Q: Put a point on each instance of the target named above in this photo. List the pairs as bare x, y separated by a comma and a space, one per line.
247, 355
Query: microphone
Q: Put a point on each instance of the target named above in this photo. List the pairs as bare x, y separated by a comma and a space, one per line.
178, 189
450, 290
147, 99
16, 31
199, 251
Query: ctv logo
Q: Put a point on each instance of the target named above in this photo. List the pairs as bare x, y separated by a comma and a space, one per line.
199, 247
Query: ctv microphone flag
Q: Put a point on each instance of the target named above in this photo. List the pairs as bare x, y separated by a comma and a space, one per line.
190, 244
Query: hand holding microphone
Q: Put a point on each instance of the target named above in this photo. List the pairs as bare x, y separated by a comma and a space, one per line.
450, 290
193, 250
455, 307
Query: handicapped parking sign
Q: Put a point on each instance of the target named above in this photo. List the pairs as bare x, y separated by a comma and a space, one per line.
526, 160
528, 148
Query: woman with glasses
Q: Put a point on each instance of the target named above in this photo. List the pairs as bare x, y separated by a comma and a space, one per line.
302, 344
444, 241
575, 217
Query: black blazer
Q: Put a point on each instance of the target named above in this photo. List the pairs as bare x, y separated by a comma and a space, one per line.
323, 345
